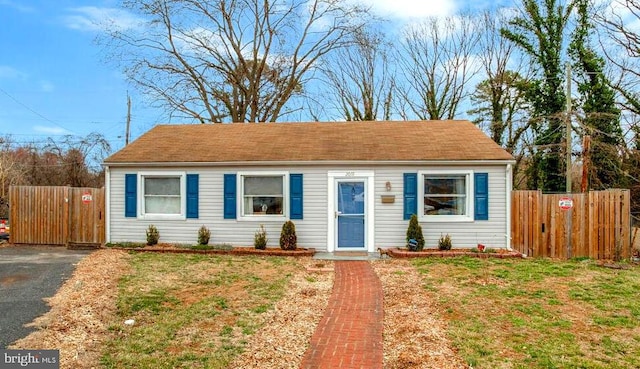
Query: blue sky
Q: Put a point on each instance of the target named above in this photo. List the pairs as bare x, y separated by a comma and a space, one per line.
54, 80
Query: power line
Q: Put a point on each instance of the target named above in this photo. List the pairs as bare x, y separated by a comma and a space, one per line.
33, 111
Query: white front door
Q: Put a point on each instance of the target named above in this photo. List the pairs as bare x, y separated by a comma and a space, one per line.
350, 211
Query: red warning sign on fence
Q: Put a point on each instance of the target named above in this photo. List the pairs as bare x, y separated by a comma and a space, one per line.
565, 203
87, 198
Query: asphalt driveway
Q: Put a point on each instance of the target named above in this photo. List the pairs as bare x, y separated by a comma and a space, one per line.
27, 275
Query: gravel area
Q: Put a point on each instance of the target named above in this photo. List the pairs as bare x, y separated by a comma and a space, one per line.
288, 328
414, 333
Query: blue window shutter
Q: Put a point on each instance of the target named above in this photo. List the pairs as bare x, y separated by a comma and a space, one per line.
481, 183
295, 196
130, 195
229, 196
192, 195
410, 195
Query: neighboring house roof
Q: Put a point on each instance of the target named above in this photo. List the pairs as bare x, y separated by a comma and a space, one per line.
450, 140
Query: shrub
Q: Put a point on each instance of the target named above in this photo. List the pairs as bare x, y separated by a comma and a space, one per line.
260, 238
444, 243
204, 234
288, 238
153, 235
201, 247
414, 232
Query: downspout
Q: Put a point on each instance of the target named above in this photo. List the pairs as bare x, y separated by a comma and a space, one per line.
107, 204
508, 185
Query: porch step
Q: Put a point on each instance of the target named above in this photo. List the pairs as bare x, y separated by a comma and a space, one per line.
346, 255
350, 253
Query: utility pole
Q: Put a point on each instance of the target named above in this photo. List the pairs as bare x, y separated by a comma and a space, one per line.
586, 146
569, 215
126, 134
568, 123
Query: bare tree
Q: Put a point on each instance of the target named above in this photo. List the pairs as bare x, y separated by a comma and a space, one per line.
620, 41
231, 60
79, 159
619, 18
359, 78
437, 59
11, 174
499, 102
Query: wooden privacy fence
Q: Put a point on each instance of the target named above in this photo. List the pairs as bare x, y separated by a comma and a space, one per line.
596, 225
56, 215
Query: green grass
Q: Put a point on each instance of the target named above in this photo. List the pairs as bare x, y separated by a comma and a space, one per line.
191, 311
537, 313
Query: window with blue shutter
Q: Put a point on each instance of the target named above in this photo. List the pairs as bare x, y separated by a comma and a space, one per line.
192, 195
295, 196
410, 195
230, 196
130, 195
481, 198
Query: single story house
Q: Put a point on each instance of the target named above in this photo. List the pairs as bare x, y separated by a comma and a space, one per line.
346, 185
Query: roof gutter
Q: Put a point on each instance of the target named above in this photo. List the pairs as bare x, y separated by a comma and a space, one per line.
311, 163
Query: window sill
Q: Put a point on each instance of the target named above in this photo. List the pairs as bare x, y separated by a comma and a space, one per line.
162, 217
446, 218
262, 218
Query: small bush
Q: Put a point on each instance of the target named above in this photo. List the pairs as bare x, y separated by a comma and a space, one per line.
204, 234
288, 238
444, 243
201, 247
414, 232
153, 235
260, 238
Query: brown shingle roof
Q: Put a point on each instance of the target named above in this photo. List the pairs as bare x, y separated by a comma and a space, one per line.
304, 142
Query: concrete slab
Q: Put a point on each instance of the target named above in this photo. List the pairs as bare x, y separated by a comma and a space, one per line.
344, 256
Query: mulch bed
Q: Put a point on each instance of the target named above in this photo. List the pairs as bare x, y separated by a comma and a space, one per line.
434, 253
234, 251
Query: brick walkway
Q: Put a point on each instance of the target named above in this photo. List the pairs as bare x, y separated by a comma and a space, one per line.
349, 334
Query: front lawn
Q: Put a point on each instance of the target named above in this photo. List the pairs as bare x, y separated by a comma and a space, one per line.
192, 311
537, 313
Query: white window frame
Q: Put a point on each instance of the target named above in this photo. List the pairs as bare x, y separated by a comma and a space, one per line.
262, 217
469, 187
183, 195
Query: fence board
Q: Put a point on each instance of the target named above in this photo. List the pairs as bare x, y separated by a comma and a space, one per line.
597, 226
86, 221
56, 215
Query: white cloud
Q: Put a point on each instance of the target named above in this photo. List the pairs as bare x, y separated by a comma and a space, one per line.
412, 8
46, 86
10, 72
91, 19
51, 130
19, 7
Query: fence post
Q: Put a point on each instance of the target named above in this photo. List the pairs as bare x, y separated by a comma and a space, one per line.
67, 217
569, 215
